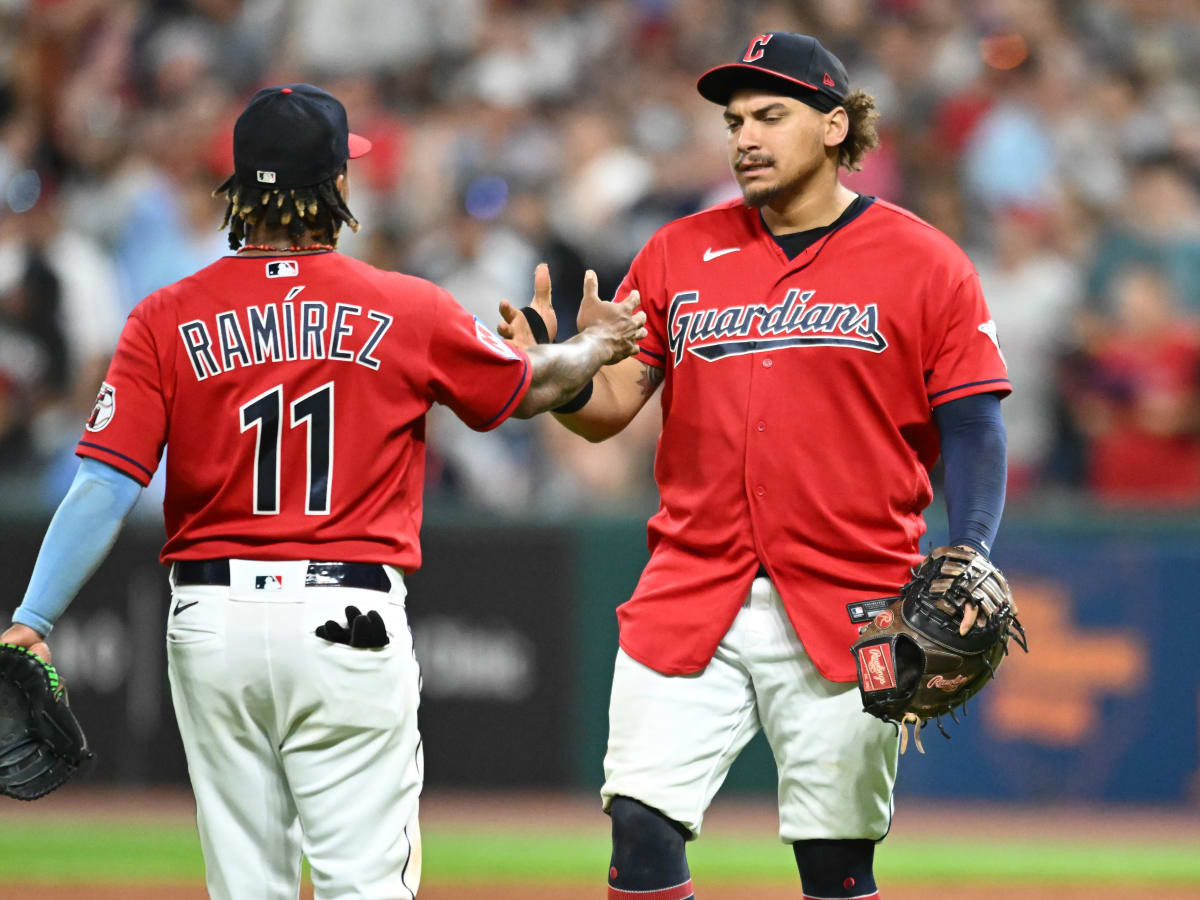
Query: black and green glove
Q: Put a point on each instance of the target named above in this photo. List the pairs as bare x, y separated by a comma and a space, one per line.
41, 743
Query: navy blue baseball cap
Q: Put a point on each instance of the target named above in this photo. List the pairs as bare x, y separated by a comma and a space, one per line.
796, 65
293, 136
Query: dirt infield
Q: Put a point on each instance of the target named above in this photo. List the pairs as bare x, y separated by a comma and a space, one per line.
728, 814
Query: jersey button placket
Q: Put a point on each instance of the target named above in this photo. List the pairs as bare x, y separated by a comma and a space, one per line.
759, 490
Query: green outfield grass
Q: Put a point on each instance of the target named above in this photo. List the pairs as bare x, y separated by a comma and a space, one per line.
82, 852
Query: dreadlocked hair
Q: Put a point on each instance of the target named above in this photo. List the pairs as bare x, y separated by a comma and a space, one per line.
861, 137
318, 209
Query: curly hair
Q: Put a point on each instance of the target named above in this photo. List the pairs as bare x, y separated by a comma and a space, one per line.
861, 137
319, 209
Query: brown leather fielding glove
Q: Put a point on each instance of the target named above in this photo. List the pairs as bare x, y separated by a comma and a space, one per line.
913, 665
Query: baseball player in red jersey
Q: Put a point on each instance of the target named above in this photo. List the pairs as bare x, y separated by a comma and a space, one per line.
289, 385
816, 349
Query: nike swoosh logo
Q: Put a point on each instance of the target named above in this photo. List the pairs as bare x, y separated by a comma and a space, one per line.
710, 253
180, 607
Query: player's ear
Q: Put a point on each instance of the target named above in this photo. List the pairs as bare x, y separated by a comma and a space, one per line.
837, 126
342, 183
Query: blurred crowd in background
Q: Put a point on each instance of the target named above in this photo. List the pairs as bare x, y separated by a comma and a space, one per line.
1057, 142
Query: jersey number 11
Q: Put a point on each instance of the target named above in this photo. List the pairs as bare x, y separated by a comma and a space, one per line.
264, 414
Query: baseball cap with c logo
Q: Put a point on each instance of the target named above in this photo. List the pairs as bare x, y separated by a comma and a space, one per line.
796, 65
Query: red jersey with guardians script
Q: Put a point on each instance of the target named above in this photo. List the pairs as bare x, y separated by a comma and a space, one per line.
290, 393
797, 420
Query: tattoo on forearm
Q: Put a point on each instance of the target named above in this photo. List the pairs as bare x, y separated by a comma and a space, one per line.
652, 377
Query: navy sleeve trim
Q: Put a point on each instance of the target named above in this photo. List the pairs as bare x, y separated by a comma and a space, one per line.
967, 385
652, 353
509, 402
127, 459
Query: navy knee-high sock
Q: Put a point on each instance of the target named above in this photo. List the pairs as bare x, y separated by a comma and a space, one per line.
836, 869
648, 857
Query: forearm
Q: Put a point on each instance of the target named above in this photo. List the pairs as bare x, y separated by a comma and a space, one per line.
618, 394
560, 371
602, 417
974, 449
80, 535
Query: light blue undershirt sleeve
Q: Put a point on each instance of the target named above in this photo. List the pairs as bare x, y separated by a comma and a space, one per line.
80, 535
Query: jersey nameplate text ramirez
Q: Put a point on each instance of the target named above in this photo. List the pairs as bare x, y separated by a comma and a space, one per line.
713, 334
287, 331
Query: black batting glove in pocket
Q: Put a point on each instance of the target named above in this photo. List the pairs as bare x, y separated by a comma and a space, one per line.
366, 632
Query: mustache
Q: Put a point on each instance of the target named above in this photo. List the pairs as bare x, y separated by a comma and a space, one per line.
747, 160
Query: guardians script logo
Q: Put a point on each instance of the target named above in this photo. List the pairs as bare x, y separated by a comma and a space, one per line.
713, 334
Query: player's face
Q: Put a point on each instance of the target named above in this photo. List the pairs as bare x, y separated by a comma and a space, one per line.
777, 143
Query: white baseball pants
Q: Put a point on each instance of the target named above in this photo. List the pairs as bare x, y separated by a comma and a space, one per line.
672, 738
295, 744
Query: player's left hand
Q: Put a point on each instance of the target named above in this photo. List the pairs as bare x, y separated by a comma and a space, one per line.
24, 636
917, 660
515, 328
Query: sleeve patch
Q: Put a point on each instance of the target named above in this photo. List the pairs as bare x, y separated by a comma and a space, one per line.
989, 328
492, 341
105, 408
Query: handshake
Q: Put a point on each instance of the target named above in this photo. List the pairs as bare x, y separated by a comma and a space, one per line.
619, 325
563, 374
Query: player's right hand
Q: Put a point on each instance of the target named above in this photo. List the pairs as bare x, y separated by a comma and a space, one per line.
24, 636
514, 328
620, 323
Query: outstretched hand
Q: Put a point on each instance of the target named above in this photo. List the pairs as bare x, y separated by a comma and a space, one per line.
619, 322
514, 327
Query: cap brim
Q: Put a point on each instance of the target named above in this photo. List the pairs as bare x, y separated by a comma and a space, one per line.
718, 84
358, 145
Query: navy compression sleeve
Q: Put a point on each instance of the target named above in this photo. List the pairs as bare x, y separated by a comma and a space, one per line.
80, 535
975, 451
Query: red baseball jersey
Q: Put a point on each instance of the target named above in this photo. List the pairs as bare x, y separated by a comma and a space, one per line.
290, 393
797, 420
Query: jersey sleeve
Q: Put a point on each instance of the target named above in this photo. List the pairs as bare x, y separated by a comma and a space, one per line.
645, 276
128, 425
966, 355
471, 370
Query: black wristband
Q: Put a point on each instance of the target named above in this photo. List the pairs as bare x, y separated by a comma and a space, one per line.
578, 402
536, 324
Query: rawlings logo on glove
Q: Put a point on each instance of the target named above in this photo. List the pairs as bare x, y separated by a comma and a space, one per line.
916, 661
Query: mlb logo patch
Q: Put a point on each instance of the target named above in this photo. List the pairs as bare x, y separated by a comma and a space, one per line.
268, 582
283, 268
878, 671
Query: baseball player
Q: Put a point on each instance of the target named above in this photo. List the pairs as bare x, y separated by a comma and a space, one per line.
815, 349
290, 385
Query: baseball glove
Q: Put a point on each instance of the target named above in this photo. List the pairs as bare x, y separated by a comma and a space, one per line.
913, 665
41, 743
